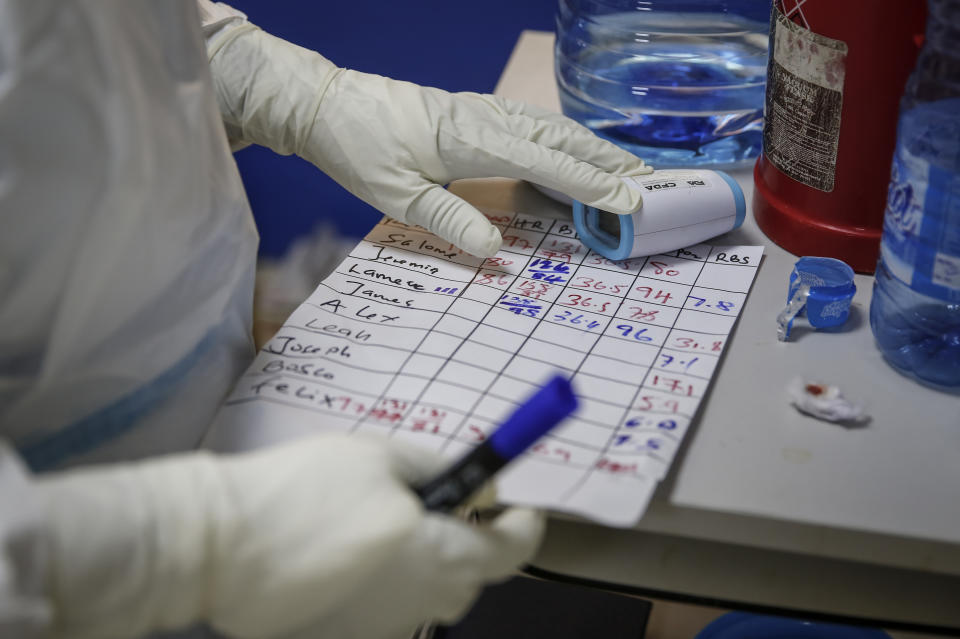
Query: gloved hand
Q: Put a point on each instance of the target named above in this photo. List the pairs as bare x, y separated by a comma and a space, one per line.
321, 537
395, 144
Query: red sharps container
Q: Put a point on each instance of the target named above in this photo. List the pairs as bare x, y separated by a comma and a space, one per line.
835, 76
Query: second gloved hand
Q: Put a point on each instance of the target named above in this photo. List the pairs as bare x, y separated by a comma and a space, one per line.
395, 144
320, 537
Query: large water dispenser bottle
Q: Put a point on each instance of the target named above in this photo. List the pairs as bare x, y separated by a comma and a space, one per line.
679, 83
915, 312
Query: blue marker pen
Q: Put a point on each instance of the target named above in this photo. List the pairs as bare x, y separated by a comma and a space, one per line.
541, 412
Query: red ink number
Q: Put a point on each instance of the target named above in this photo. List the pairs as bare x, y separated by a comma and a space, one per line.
574, 299
659, 296
493, 279
660, 268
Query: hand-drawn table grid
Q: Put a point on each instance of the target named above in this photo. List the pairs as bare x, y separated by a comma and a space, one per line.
468, 339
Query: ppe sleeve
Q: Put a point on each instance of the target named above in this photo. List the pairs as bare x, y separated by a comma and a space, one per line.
217, 20
25, 611
214, 16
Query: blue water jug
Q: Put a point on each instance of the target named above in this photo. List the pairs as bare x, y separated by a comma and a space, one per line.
679, 83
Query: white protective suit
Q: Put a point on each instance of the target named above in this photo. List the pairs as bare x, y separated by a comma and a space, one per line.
126, 275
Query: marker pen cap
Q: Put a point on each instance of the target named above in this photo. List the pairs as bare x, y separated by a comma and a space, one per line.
681, 208
532, 419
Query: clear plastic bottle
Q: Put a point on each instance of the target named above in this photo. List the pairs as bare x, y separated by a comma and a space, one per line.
915, 312
679, 83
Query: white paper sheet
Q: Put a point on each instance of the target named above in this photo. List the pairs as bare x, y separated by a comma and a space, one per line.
412, 338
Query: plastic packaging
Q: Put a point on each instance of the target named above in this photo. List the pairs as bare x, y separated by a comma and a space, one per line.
915, 312
680, 84
820, 287
680, 208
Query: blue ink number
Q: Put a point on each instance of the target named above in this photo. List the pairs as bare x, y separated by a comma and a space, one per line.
651, 443
723, 306
568, 316
521, 305
665, 424
628, 330
549, 271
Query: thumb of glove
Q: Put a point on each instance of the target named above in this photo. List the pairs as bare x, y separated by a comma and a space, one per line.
454, 220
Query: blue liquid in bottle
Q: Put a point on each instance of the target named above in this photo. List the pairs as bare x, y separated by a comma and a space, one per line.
682, 86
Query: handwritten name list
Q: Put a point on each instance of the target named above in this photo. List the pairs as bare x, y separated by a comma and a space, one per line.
412, 338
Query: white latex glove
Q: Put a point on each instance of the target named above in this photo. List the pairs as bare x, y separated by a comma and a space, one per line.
321, 537
395, 144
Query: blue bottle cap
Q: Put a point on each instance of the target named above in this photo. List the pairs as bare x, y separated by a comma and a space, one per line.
831, 289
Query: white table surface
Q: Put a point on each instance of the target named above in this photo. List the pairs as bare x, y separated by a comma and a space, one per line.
765, 506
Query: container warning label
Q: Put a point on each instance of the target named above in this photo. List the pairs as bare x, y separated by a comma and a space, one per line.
803, 103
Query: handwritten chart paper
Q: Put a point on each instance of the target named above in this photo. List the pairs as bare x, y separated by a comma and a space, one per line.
412, 338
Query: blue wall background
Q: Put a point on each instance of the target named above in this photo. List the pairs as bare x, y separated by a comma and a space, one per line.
450, 44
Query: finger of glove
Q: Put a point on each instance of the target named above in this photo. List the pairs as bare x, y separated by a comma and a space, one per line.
477, 555
449, 217
484, 497
578, 142
520, 158
523, 112
527, 119
516, 107
493, 550
412, 464
515, 535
